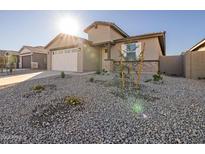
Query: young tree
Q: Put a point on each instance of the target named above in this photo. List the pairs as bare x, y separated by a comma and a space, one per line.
12, 60
126, 55
2, 62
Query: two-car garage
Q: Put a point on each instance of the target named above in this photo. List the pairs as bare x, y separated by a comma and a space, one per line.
65, 60
72, 54
33, 57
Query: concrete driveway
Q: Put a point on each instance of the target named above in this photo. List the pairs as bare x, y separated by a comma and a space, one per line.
10, 80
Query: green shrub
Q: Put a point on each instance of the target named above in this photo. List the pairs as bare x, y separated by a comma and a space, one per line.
72, 100
38, 88
91, 79
201, 78
104, 71
157, 77
98, 72
137, 104
62, 74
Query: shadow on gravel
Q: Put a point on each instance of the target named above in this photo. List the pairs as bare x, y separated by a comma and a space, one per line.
47, 114
66, 77
49, 88
132, 92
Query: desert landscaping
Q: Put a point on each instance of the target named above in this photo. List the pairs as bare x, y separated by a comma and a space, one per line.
95, 109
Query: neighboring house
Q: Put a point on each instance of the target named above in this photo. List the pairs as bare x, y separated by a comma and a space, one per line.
9, 56
33, 57
194, 61
189, 64
103, 47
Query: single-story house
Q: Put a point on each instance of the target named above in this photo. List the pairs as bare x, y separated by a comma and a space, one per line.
103, 48
9, 56
33, 57
194, 61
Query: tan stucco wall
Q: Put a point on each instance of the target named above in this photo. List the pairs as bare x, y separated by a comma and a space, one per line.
152, 49
194, 64
172, 65
114, 35
91, 58
150, 67
102, 33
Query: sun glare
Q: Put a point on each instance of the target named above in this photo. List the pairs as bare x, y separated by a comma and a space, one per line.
68, 25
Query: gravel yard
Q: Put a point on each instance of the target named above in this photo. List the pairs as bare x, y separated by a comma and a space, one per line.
168, 112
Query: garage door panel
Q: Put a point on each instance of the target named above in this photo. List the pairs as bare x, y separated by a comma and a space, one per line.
26, 61
65, 61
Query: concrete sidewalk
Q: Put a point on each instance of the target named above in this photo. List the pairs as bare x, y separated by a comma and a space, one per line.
17, 78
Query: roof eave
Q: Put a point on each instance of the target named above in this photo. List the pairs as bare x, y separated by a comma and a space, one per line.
137, 37
146, 36
197, 45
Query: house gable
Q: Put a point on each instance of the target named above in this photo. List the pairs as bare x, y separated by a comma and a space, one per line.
99, 32
25, 50
65, 41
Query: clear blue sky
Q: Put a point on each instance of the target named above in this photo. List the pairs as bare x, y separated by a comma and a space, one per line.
184, 28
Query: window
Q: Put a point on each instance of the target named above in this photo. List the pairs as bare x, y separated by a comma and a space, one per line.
131, 51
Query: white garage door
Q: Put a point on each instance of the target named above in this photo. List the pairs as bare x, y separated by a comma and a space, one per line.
65, 60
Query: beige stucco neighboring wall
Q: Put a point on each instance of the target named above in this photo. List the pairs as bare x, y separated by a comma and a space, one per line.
187, 64
197, 65
102, 33
91, 58
194, 64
